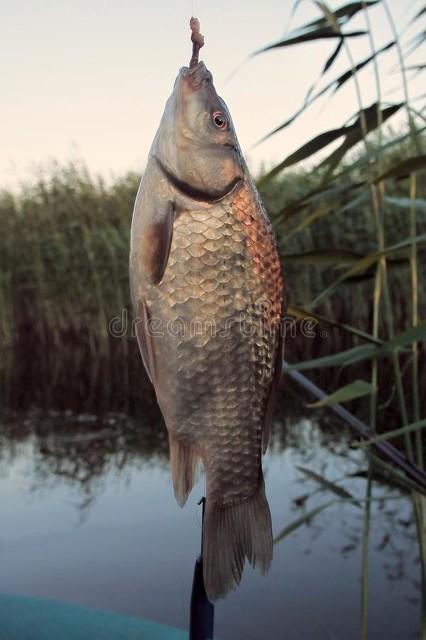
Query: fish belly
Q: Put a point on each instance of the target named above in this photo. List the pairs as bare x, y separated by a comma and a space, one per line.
216, 322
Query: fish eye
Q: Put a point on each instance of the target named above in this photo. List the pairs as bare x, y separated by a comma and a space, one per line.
220, 120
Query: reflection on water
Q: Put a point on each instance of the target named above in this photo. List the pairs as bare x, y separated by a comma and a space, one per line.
88, 515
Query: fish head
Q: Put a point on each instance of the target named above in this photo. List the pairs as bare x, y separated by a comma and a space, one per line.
196, 140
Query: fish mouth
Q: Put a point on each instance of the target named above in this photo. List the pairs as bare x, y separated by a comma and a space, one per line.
195, 76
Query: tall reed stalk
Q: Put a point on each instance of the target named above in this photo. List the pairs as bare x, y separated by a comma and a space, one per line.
331, 25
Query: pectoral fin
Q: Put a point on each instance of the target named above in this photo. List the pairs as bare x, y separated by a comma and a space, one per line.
157, 242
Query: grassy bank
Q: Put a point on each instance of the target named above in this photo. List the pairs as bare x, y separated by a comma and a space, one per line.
64, 243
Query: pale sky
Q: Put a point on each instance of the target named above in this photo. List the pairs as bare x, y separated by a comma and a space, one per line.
88, 80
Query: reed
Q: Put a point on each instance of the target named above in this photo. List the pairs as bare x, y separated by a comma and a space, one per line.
64, 242
370, 174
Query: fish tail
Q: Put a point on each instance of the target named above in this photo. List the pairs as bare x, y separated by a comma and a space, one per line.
184, 463
233, 532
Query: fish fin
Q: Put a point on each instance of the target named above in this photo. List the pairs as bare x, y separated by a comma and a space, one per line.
157, 242
184, 464
273, 392
145, 339
233, 532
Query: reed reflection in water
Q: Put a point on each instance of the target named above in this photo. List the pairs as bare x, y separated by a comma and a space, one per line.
88, 515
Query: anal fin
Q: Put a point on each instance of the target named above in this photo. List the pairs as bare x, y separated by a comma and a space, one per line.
184, 464
145, 339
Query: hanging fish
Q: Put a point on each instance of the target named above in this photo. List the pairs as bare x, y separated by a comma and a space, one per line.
207, 290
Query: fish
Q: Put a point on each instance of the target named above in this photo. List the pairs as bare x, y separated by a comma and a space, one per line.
208, 295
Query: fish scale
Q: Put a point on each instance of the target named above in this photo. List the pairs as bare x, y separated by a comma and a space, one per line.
231, 371
207, 288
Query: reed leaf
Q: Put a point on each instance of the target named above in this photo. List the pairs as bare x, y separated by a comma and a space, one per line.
394, 475
323, 256
327, 485
413, 334
308, 36
385, 478
305, 519
331, 190
370, 154
309, 515
349, 356
344, 77
364, 352
407, 203
352, 133
395, 433
320, 212
356, 389
333, 57
343, 14
363, 264
303, 314
405, 168
305, 151
330, 207
418, 15
367, 121
415, 42
335, 84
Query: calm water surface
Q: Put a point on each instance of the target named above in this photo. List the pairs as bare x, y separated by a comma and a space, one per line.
87, 515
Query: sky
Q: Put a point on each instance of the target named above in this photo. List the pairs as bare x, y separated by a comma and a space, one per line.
88, 80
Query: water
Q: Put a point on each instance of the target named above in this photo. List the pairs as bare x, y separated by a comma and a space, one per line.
87, 515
